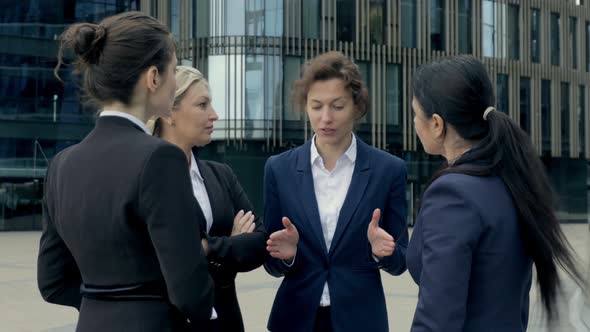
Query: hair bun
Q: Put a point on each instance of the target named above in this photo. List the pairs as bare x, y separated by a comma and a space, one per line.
89, 41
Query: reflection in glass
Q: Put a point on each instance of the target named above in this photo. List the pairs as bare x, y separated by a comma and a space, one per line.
174, 18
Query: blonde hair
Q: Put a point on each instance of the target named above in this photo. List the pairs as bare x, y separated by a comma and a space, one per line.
185, 77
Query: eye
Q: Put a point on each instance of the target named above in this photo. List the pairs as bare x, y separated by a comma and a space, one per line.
316, 107
338, 107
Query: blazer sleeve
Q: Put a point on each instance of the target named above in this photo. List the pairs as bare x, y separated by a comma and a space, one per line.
272, 220
174, 231
395, 223
58, 276
244, 252
451, 228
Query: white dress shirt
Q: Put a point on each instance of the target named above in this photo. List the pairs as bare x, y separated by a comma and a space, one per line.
331, 188
127, 116
200, 192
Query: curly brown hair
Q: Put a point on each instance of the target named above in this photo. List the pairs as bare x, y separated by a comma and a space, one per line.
327, 66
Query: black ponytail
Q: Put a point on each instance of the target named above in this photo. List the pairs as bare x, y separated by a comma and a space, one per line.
504, 150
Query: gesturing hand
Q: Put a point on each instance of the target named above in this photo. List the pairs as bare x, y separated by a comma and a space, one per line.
283, 244
243, 223
382, 243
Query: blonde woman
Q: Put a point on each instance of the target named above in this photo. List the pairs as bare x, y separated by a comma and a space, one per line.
232, 236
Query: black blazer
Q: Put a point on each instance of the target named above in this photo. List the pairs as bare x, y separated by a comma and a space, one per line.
229, 255
118, 211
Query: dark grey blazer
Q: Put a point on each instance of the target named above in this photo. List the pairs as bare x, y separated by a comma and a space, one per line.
229, 255
118, 211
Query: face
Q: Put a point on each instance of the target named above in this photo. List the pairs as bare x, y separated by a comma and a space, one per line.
331, 111
193, 117
428, 129
163, 88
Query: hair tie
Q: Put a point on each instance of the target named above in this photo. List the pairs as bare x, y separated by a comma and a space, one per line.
487, 111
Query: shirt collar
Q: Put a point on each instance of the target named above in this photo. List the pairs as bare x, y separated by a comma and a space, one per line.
350, 153
127, 116
195, 168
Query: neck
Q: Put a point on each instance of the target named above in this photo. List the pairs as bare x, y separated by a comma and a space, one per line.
185, 147
331, 152
454, 152
137, 111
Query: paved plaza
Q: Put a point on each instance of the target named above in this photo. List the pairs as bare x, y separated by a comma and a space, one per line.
22, 309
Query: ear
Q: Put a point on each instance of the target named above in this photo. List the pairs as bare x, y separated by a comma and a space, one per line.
152, 79
437, 126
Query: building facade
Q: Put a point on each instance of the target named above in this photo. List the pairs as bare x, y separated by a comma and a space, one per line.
536, 51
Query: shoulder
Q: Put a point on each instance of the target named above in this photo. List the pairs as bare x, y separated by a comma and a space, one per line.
288, 157
383, 159
470, 189
222, 169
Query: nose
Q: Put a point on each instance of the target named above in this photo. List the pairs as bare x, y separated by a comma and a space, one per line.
326, 115
213, 116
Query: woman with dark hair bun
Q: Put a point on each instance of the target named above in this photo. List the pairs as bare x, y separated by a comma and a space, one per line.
120, 241
487, 216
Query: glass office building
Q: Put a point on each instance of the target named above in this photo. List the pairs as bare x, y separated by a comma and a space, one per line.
538, 55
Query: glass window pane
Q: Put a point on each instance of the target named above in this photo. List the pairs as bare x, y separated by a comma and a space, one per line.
489, 28
310, 17
235, 19
582, 119
465, 28
273, 18
437, 25
573, 41
535, 36
174, 18
377, 21
393, 98
546, 114
513, 32
502, 92
525, 104
345, 20
555, 48
565, 113
408, 23
292, 68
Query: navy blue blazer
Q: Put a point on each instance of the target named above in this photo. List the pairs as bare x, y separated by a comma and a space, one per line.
356, 293
467, 256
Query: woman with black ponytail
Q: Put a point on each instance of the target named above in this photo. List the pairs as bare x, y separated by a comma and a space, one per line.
487, 216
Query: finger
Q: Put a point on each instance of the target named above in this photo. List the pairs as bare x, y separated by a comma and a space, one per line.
277, 236
246, 225
251, 228
375, 218
383, 235
287, 223
238, 216
245, 218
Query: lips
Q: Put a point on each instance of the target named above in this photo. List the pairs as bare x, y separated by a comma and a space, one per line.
327, 131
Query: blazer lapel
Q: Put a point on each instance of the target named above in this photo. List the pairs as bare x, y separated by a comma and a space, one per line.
358, 184
306, 192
